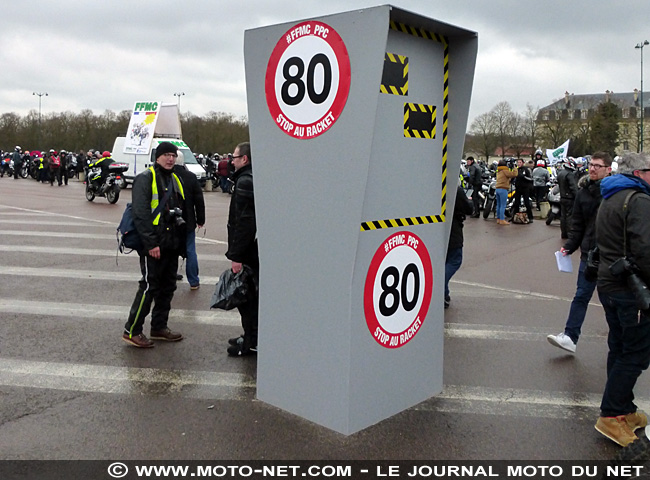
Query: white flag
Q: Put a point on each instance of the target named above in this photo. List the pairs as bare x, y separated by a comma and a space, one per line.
557, 154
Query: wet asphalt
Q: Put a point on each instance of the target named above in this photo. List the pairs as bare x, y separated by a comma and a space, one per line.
71, 389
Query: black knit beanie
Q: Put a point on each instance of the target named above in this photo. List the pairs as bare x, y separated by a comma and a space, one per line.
165, 147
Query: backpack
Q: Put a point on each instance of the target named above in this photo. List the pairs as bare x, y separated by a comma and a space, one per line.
127, 234
55, 161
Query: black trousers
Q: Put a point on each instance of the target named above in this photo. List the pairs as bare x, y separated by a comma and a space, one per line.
249, 315
157, 285
476, 199
566, 212
525, 195
55, 174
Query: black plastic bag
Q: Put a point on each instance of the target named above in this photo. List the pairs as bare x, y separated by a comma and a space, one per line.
233, 289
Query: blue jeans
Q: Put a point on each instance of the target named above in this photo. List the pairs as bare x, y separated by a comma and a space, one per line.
452, 264
579, 305
502, 198
192, 262
629, 351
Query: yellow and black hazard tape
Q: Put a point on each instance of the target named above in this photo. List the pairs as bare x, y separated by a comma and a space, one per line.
392, 82
401, 222
426, 116
418, 32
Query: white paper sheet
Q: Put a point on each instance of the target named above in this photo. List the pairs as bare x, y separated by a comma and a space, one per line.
564, 262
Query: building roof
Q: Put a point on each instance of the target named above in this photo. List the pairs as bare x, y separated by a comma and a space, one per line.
591, 100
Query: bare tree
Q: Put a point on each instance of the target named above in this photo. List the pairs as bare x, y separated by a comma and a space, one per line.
503, 119
484, 132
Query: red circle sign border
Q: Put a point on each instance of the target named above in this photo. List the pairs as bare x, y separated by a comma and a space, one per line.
368, 304
345, 75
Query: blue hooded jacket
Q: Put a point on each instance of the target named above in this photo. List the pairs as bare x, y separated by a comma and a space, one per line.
622, 181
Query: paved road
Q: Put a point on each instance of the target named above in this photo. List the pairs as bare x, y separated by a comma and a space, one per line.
71, 389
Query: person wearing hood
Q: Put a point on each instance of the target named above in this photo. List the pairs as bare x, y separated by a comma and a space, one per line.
623, 238
582, 234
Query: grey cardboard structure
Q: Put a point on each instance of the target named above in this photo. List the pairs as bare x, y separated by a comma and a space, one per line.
336, 211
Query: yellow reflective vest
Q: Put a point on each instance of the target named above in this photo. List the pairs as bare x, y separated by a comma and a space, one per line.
154, 193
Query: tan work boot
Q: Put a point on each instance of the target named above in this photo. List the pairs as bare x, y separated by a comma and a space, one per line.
636, 420
616, 429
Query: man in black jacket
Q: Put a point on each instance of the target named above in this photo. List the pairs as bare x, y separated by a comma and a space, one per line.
524, 189
566, 180
242, 245
158, 198
623, 232
454, 259
194, 215
475, 181
582, 234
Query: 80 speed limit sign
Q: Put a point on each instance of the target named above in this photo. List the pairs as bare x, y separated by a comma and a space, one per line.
307, 80
398, 289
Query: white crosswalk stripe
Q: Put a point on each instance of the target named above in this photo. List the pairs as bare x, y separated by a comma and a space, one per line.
110, 379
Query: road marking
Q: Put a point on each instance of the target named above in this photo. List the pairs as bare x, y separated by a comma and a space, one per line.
231, 318
92, 236
90, 251
113, 312
41, 223
51, 214
82, 274
234, 386
126, 380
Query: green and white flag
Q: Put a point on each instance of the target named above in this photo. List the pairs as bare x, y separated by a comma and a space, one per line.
557, 154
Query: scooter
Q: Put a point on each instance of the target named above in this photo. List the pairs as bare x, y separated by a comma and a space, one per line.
111, 186
554, 201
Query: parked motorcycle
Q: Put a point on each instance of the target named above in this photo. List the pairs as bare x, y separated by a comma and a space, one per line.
110, 188
554, 201
71, 166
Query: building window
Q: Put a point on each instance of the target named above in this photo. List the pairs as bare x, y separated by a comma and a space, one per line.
626, 112
545, 115
626, 130
571, 114
583, 113
626, 146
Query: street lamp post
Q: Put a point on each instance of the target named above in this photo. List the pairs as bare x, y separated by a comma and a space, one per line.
39, 95
640, 47
179, 95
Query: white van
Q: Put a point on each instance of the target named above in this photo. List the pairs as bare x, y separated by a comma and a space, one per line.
139, 162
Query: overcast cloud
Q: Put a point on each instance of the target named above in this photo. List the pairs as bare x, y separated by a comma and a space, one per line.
107, 55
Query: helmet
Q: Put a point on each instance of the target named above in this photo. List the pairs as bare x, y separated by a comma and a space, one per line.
17, 148
52, 150
106, 153
26, 152
539, 152
63, 151
200, 155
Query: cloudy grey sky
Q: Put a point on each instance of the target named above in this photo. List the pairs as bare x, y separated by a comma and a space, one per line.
107, 55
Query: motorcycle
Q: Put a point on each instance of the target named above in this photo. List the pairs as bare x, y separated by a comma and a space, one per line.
24, 167
490, 201
554, 201
110, 188
211, 172
490, 206
71, 166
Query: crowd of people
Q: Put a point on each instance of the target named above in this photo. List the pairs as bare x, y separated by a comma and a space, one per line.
605, 206
46, 166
